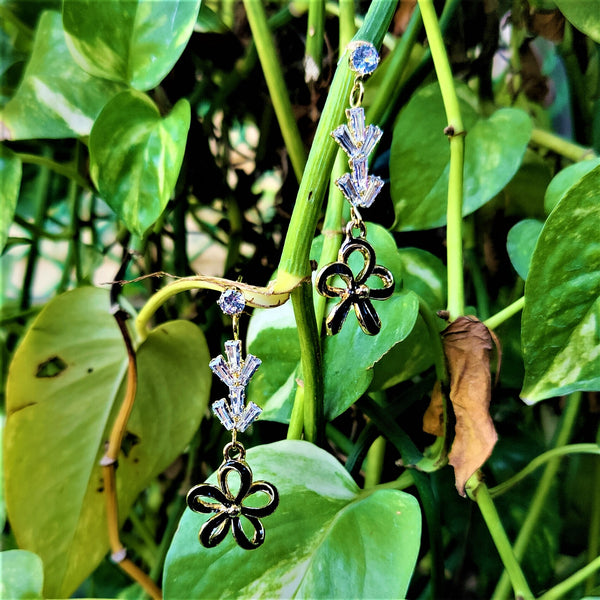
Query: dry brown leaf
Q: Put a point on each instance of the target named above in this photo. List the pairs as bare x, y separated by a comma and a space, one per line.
467, 346
433, 419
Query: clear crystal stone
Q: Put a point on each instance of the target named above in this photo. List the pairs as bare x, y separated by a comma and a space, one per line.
250, 366
250, 414
343, 137
232, 302
221, 411
363, 58
360, 172
356, 120
374, 187
370, 139
237, 396
347, 187
220, 368
233, 349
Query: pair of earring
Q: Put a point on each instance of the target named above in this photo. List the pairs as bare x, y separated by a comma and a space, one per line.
360, 189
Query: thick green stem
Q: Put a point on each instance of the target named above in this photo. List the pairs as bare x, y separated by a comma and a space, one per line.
594, 534
396, 63
479, 492
541, 494
267, 54
505, 314
456, 134
559, 591
561, 146
375, 457
294, 262
314, 40
310, 392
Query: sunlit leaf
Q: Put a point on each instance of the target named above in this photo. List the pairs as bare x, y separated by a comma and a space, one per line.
136, 155
325, 540
583, 14
561, 319
136, 42
565, 179
64, 387
419, 163
520, 244
22, 575
10, 181
56, 99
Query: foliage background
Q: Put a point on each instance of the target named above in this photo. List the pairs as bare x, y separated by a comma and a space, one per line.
188, 160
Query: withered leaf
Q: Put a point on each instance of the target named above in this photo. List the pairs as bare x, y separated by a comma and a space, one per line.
433, 419
467, 346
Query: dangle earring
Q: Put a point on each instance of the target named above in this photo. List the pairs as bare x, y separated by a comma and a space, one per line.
360, 189
236, 416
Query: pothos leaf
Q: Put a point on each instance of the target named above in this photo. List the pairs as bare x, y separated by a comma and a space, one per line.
136, 155
325, 540
64, 387
561, 320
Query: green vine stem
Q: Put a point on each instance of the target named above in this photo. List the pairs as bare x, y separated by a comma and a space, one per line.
478, 491
541, 460
294, 263
375, 457
396, 64
431, 322
310, 392
560, 590
314, 40
258, 297
594, 535
505, 314
61, 169
456, 134
540, 496
565, 148
267, 54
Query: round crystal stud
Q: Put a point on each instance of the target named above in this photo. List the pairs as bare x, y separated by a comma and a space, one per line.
232, 302
363, 58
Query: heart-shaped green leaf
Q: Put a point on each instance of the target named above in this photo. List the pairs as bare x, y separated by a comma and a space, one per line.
56, 98
22, 575
327, 539
420, 155
10, 182
520, 244
64, 387
136, 155
272, 336
566, 178
136, 42
561, 320
583, 14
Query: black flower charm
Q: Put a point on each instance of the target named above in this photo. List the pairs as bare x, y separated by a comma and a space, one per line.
229, 507
356, 293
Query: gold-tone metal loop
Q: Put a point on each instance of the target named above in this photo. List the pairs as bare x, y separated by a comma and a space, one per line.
356, 224
357, 93
238, 448
235, 323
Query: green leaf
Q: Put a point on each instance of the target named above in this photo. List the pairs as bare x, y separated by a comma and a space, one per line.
56, 98
136, 42
565, 179
583, 14
22, 575
64, 388
561, 319
135, 156
272, 336
420, 158
520, 244
327, 539
10, 182
425, 275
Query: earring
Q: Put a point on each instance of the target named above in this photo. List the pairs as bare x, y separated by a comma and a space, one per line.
236, 416
360, 189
